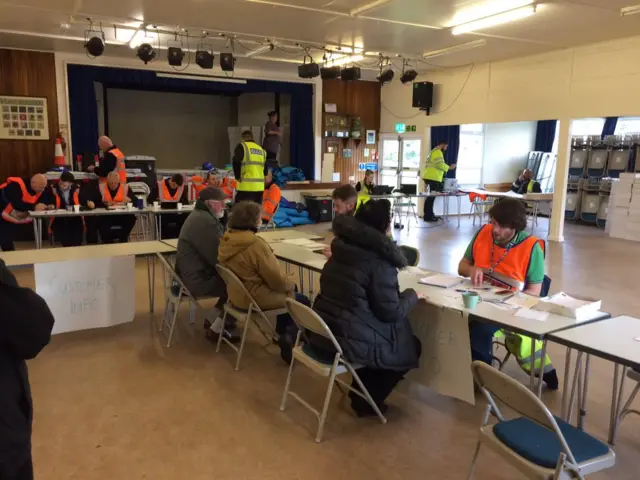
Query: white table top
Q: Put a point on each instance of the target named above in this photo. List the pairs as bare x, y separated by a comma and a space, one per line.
173, 243
161, 211
49, 255
286, 234
539, 197
449, 298
85, 213
301, 256
614, 340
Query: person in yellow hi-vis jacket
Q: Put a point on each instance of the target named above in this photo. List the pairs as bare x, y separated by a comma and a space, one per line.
503, 248
433, 176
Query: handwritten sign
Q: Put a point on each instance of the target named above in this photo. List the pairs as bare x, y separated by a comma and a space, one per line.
88, 294
445, 364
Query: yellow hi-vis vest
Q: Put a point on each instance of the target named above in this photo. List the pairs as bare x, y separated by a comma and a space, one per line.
252, 168
362, 199
530, 186
435, 168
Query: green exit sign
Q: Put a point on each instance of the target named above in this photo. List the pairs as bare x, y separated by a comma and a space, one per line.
411, 128
400, 127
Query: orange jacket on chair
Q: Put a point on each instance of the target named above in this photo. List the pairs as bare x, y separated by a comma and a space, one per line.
516, 259
7, 213
270, 200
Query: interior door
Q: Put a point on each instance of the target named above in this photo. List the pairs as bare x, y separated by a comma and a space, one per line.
410, 149
389, 160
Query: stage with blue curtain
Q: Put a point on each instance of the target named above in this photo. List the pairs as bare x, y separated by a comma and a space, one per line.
449, 134
83, 106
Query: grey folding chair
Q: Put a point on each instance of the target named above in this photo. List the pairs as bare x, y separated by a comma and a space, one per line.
174, 292
271, 223
307, 319
412, 254
537, 444
626, 409
249, 316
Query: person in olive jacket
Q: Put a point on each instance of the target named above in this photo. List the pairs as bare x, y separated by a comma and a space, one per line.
25, 329
361, 302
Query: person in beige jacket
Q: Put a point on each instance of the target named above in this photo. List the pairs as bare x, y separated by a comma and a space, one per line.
252, 260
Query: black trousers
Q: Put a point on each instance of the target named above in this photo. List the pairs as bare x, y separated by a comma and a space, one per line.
249, 196
429, 201
23, 472
272, 159
379, 382
7, 230
116, 228
68, 231
91, 224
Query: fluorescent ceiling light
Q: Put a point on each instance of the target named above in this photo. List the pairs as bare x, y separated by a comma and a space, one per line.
259, 50
493, 20
336, 62
206, 78
455, 48
630, 10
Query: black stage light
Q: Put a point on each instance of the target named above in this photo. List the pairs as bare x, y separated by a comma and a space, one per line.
175, 55
308, 70
227, 62
95, 46
350, 73
204, 59
408, 76
386, 76
146, 53
330, 73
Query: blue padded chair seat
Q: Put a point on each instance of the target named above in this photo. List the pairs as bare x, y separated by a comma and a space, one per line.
541, 446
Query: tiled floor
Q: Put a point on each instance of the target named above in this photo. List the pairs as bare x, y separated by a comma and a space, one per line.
117, 404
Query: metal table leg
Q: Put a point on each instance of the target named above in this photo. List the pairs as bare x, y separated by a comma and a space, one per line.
151, 279
565, 385
310, 284
616, 402
532, 370
301, 276
574, 386
582, 412
541, 371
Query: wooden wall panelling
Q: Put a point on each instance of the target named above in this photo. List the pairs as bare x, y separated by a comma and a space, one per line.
359, 98
29, 74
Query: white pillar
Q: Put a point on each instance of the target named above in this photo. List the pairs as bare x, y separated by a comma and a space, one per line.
560, 185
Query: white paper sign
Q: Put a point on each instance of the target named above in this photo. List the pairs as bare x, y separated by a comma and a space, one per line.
88, 293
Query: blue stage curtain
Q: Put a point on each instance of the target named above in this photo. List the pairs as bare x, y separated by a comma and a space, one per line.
84, 109
545, 134
451, 135
609, 127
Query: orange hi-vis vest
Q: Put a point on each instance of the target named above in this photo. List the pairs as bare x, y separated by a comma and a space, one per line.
119, 197
270, 201
9, 212
197, 185
228, 186
75, 200
515, 260
165, 195
120, 166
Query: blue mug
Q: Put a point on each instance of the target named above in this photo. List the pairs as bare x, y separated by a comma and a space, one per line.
470, 300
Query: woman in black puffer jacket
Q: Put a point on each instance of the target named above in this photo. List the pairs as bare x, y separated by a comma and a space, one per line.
361, 303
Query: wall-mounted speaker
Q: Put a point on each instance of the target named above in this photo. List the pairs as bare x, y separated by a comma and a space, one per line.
423, 96
351, 73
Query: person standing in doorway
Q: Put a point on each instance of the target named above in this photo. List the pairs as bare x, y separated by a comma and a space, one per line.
249, 168
272, 139
433, 176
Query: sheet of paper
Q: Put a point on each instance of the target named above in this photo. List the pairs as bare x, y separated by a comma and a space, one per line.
314, 245
522, 300
532, 314
440, 280
298, 241
568, 301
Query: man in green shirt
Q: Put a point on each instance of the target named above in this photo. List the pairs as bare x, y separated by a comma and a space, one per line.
503, 251
433, 176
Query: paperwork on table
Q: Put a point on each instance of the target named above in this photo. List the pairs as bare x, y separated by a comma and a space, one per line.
568, 306
306, 243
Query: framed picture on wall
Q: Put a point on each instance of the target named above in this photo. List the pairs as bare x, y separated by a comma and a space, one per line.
22, 112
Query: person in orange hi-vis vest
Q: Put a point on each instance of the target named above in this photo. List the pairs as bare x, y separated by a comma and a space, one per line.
19, 196
113, 228
112, 161
270, 198
68, 231
228, 186
171, 191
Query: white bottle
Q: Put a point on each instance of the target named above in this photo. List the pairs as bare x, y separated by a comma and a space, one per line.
428, 189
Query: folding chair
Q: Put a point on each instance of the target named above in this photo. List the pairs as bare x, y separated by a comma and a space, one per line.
142, 228
538, 444
271, 223
479, 204
234, 283
626, 409
307, 319
174, 291
412, 254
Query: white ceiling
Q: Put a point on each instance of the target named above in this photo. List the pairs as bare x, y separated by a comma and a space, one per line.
405, 27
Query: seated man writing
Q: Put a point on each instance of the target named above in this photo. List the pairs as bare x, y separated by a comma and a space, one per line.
502, 249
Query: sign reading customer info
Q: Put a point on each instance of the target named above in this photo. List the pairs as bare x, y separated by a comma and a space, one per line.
87, 294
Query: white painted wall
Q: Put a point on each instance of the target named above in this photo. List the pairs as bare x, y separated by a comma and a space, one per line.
63, 58
506, 147
596, 80
179, 129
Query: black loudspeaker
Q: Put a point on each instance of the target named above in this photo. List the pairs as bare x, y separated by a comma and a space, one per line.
423, 95
330, 73
308, 70
351, 73
227, 62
